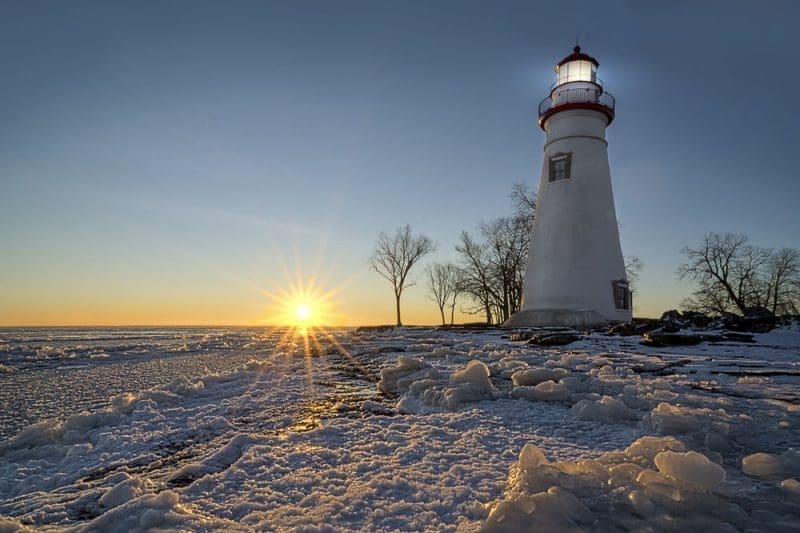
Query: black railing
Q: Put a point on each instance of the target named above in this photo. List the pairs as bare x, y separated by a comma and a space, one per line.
583, 95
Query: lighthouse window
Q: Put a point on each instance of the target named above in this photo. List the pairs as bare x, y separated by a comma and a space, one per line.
622, 299
560, 166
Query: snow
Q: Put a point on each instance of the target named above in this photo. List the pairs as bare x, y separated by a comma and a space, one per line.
401, 429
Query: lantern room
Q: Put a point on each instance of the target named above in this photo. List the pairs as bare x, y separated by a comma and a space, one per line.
577, 67
576, 87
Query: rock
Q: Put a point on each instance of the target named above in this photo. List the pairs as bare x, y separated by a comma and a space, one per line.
374, 329
626, 329
696, 319
663, 338
738, 337
521, 335
554, 339
673, 315
390, 349
670, 327
646, 325
755, 320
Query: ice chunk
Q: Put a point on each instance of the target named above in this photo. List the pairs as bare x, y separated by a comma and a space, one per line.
767, 465
791, 487
184, 387
641, 504
141, 514
646, 448
607, 409
476, 375
443, 351
216, 462
369, 406
667, 418
557, 509
531, 457
122, 492
425, 391
395, 379
546, 391
9, 525
692, 470
761, 465
534, 376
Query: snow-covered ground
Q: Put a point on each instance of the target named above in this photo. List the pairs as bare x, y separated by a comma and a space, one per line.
409, 429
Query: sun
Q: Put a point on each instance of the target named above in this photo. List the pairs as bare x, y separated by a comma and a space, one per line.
303, 312
303, 305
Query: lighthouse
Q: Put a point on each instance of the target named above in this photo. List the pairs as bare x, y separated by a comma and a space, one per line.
576, 273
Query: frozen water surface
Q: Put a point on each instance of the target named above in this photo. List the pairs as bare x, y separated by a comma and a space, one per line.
411, 429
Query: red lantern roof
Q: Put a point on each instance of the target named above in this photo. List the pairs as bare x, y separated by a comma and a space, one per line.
578, 55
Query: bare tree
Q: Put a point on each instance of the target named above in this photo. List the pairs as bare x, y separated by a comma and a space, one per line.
475, 276
493, 268
782, 281
443, 287
713, 265
524, 200
394, 257
457, 289
734, 276
633, 268
507, 239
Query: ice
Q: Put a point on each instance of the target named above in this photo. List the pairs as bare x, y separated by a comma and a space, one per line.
122, 492
370, 406
475, 376
534, 376
464, 430
691, 469
395, 380
145, 513
581, 494
9, 525
606, 409
426, 390
791, 487
556, 509
216, 462
546, 391
767, 465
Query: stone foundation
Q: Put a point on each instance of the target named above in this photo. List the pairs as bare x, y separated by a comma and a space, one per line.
579, 318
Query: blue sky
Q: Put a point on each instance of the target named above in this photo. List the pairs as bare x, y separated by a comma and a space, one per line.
164, 162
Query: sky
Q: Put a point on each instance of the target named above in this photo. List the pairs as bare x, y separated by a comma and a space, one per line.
184, 162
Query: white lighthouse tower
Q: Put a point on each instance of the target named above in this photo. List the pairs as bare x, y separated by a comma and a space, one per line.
576, 274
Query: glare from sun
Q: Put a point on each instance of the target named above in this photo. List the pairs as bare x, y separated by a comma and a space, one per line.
302, 312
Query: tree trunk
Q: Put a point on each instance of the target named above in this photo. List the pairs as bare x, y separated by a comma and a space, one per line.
397, 301
444, 322
452, 314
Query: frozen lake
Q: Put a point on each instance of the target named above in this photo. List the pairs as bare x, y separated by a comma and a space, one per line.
61, 371
411, 429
